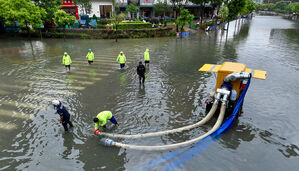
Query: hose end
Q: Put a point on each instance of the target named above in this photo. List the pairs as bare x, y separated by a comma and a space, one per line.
107, 142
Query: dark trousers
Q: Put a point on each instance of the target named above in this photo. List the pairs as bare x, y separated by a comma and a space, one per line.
65, 122
122, 65
141, 77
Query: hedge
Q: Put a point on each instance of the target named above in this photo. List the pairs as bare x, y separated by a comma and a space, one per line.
134, 25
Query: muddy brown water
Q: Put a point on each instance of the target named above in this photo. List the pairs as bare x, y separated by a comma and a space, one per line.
265, 137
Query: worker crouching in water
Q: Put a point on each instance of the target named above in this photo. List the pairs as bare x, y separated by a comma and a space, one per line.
121, 59
66, 61
90, 56
63, 113
101, 120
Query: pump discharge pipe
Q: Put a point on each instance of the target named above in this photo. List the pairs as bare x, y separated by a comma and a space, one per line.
109, 142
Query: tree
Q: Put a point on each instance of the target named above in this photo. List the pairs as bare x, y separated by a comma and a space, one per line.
223, 13
50, 7
22, 11
234, 9
62, 19
294, 7
115, 20
132, 8
184, 19
85, 5
161, 8
202, 4
281, 7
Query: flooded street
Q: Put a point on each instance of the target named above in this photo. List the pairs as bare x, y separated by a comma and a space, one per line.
265, 137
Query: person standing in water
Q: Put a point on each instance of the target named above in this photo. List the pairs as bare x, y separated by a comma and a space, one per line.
63, 113
146, 57
141, 72
66, 61
121, 59
101, 121
90, 56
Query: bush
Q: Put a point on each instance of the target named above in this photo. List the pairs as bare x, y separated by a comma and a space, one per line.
134, 25
101, 26
103, 22
154, 21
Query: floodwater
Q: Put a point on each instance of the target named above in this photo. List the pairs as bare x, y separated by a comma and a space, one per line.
265, 137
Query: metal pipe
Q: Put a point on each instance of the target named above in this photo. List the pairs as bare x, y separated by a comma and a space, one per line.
234, 76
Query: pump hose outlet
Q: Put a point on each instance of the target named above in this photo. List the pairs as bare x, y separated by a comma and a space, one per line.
107, 142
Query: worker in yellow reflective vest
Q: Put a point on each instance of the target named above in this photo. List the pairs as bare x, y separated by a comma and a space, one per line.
101, 120
146, 57
66, 61
121, 59
90, 56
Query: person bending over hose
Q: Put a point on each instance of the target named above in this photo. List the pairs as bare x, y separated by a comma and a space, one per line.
101, 120
66, 60
63, 113
146, 57
141, 72
121, 59
90, 56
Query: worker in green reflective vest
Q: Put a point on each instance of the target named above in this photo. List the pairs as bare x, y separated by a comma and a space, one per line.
146, 57
90, 56
66, 61
121, 59
101, 120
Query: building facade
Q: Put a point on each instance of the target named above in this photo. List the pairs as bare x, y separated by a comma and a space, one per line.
70, 7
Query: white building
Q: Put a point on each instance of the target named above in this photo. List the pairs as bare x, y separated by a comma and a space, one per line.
101, 8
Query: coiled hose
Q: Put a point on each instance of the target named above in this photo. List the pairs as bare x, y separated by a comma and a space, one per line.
177, 145
152, 134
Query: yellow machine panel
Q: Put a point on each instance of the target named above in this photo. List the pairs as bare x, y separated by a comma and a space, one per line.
210, 68
228, 68
259, 74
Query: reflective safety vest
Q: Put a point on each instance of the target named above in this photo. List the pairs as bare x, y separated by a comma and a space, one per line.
121, 59
146, 56
90, 56
103, 117
66, 60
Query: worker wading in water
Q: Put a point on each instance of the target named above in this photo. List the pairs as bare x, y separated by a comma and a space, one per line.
90, 56
141, 72
63, 113
66, 61
146, 57
101, 120
121, 59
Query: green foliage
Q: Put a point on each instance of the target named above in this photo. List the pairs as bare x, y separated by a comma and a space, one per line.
248, 8
85, 5
134, 25
223, 13
117, 19
61, 19
267, 7
50, 6
161, 8
234, 8
184, 19
294, 7
23, 11
132, 8
281, 7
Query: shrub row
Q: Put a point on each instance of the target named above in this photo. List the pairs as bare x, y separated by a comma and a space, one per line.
134, 25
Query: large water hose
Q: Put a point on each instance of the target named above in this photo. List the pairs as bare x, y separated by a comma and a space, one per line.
151, 134
178, 145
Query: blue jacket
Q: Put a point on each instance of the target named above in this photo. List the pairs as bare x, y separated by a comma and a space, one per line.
63, 112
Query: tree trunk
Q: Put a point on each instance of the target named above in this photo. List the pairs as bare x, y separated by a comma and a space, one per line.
64, 33
116, 32
40, 32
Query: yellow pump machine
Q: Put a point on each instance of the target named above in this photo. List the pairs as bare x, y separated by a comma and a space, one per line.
233, 77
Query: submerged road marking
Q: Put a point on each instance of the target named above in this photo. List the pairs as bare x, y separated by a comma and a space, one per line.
7, 126
14, 114
22, 104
